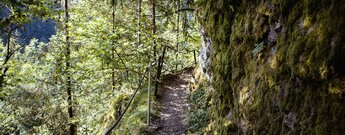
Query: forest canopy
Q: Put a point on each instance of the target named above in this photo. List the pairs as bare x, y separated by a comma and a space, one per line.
92, 57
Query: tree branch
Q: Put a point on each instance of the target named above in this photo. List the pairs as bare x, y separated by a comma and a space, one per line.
172, 13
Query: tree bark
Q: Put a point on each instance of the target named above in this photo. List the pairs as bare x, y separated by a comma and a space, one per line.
177, 33
139, 17
73, 127
138, 35
159, 70
113, 51
195, 62
154, 28
153, 37
7, 58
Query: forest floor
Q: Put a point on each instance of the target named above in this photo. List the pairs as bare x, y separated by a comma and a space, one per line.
172, 105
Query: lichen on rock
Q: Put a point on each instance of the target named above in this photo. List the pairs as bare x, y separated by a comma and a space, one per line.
204, 55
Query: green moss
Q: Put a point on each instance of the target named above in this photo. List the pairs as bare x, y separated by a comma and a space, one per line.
302, 77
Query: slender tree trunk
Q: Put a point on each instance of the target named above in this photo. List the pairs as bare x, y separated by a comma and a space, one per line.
113, 51
73, 127
154, 41
139, 17
159, 70
7, 58
195, 62
177, 32
138, 34
154, 28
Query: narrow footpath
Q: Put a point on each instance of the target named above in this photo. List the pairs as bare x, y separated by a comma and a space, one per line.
173, 105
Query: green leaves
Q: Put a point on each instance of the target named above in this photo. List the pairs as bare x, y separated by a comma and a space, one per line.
258, 48
198, 116
37, 74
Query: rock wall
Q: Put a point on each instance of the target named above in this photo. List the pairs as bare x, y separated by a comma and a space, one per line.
277, 66
204, 59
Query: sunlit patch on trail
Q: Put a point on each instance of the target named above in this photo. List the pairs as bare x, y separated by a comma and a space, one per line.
173, 107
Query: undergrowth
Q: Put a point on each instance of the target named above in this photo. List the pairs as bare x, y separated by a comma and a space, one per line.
134, 120
198, 116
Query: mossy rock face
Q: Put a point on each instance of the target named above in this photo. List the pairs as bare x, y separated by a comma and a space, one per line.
295, 84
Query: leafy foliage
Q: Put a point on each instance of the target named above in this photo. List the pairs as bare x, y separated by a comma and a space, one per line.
197, 120
198, 116
33, 98
258, 48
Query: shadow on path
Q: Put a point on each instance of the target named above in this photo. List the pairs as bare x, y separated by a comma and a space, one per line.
173, 105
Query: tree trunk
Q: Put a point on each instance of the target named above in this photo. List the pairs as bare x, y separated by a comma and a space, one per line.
113, 51
7, 58
73, 127
159, 70
154, 28
153, 36
195, 62
138, 34
177, 32
139, 17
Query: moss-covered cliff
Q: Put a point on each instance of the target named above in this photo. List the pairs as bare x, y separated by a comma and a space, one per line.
278, 66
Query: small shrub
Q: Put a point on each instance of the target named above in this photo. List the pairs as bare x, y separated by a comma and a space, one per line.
198, 98
197, 120
198, 116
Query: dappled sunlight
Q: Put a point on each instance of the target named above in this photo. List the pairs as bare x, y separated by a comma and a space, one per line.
174, 107
165, 115
183, 86
173, 94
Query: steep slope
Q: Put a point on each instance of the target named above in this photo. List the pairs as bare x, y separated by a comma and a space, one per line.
277, 66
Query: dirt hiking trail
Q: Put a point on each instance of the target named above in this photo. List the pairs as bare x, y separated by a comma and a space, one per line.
173, 104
